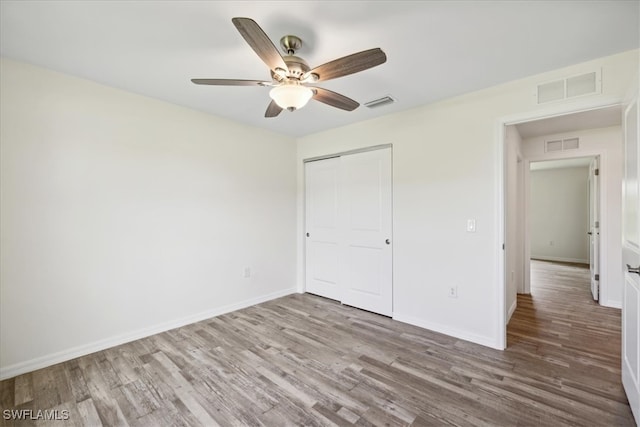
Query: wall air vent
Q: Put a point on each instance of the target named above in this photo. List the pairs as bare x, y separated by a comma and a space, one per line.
561, 144
553, 146
569, 87
380, 102
583, 84
552, 91
570, 144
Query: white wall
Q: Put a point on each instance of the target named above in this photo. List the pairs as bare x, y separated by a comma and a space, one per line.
447, 169
559, 214
606, 142
123, 216
513, 219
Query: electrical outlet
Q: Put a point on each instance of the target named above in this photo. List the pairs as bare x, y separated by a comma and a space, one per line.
246, 272
453, 292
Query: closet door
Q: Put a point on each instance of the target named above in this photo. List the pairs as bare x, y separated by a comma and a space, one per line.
366, 263
348, 225
323, 234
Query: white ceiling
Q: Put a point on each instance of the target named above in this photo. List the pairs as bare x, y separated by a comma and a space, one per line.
435, 49
592, 119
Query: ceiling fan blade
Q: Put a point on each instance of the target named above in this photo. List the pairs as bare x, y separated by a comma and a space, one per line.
260, 43
349, 64
230, 82
272, 110
334, 99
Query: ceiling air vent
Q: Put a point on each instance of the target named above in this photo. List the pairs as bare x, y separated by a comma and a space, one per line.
570, 87
380, 102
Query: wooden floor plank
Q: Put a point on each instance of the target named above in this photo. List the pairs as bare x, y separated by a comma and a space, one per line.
306, 360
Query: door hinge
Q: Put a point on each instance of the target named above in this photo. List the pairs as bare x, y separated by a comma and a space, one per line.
596, 172
503, 246
597, 277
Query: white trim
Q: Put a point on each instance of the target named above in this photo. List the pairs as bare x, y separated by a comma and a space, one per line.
499, 243
560, 259
512, 309
348, 152
521, 223
526, 237
82, 350
612, 304
301, 284
447, 330
553, 111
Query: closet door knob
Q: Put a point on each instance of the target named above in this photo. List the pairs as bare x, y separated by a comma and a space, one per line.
388, 242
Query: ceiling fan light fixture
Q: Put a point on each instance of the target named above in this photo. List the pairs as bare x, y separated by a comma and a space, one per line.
291, 96
290, 73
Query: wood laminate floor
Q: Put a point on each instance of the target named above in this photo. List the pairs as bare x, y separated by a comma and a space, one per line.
305, 360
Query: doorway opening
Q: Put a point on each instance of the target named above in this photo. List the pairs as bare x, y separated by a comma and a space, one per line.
563, 214
583, 137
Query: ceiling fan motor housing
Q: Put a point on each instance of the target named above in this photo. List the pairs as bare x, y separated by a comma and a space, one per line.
297, 66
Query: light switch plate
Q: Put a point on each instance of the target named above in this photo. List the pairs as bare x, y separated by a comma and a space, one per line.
471, 226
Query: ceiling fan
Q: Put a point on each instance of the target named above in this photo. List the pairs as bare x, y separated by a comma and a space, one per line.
290, 75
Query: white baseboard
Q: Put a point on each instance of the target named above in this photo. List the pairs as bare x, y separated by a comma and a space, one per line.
512, 309
447, 330
612, 304
560, 259
82, 350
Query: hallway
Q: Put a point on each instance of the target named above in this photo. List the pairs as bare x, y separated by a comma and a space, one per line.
576, 341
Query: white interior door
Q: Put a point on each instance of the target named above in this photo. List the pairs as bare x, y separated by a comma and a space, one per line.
631, 261
348, 229
366, 250
594, 227
323, 234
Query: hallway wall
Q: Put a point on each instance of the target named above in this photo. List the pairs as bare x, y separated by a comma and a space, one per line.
608, 142
559, 214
